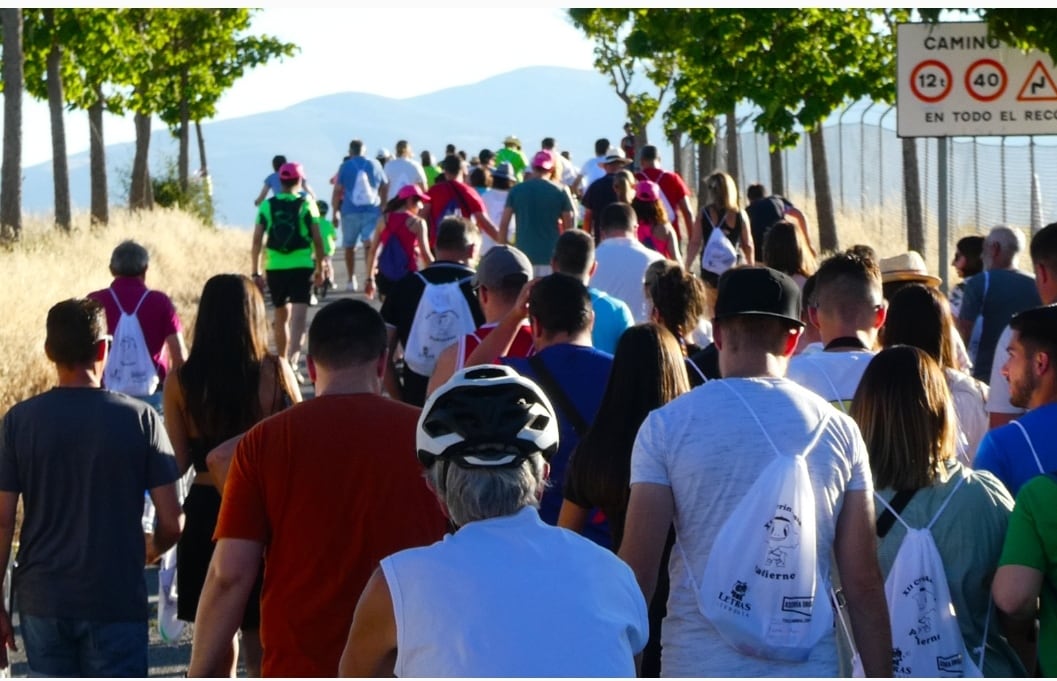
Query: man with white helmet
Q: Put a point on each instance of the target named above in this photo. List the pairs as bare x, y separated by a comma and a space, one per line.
471, 604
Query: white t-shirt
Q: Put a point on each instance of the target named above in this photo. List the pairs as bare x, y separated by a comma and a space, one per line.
402, 172
494, 202
512, 596
622, 263
592, 170
998, 399
709, 449
970, 407
832, 375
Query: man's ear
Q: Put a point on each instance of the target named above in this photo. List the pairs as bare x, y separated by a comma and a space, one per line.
101, 351
812, 315
311, 368
717, 335
791, 341
591, 272
1042, 362
880, 315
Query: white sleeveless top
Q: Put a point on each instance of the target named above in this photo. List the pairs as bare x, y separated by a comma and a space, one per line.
512, 596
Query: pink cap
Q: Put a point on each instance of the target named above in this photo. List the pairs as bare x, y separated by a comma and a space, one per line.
647, 191
411, 191
291, 172
543, 159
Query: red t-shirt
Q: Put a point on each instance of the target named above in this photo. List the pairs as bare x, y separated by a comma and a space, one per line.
396, 226
330, 486
157, 315
521, 347
675, 190
442, 194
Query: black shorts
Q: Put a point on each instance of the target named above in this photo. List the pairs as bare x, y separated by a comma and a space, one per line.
290, 286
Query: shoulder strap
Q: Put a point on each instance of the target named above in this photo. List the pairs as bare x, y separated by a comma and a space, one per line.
836, 393
819, 428
893, 507
1024, 432
690, 363
939, 511
141, 299
554, 390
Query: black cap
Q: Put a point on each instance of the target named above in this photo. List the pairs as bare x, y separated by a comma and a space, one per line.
758, 291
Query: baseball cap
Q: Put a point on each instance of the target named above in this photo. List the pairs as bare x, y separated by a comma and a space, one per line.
290, 172
758, 291
503, 267
647, 191
543, 159
504, 170
412, 191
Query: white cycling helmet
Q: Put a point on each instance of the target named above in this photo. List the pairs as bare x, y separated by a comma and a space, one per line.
484, 417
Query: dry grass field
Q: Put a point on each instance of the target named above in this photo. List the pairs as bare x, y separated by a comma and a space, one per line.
47, 266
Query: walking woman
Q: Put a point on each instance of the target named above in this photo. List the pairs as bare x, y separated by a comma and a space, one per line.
722, 228
229, 382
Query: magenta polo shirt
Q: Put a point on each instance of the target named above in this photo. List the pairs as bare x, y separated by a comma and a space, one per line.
157, 315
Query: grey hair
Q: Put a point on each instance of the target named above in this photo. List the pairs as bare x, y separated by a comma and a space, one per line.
1010, 241
472, 494
129, 259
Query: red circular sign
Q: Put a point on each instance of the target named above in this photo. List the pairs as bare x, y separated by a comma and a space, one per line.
986, 80
931, 81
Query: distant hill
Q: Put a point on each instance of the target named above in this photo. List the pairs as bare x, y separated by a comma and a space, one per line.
572, 105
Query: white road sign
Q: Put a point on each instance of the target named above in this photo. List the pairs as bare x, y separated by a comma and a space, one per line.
954, 80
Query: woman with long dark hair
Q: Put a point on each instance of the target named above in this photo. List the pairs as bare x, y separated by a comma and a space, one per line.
904, 411
648, 371
229, 382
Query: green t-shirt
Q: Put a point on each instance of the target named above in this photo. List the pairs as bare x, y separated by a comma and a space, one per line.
329, 235
538, 206
514, 157
432, 173
1031, 541
301, 258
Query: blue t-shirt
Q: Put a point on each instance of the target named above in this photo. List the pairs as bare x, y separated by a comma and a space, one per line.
347, 179
1008, 292
582, 372
612, 318
1005, 452
274, 184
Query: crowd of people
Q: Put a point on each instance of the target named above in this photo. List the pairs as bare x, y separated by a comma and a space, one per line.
590, 430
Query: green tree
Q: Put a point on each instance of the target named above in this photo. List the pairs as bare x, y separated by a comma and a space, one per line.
11, 166
609, 29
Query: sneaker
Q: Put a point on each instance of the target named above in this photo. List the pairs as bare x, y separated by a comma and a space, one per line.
313, 300
353, 285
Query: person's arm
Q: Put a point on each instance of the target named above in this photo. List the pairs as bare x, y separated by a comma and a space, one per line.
321, 252
8, 511
175, 424
169, 521
390, 380
1016, 590
588, 219
651, 509
232, 572
693, 245
309, 191
566, 222
218, 461
572, 516
263, 195
1022, 636
855, 548
289, 378
255, 252
498, 342
686, 216
673, 242
373, 253
418, 226
445, 367
383, 193
748, 248
177, 350
485, 224
801, 222
335, 200
370, 650
504, 226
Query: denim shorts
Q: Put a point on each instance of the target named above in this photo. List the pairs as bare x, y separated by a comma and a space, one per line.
358, 227
57, 646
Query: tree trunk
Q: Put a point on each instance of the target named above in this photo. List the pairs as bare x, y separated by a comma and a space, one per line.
207, 182
912, 196
97, 155
733, 167
11, 167
140, 194
827, 226
56, 100
184, 160
777, 171
676, 140
705, 164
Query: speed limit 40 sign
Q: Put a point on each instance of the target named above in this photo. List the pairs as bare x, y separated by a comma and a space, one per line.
954, 79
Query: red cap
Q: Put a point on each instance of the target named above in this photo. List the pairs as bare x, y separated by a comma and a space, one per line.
543, 159
411, 191
647, 191
291, 172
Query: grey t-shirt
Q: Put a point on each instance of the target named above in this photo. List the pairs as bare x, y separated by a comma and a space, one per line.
82, 459
1007, 293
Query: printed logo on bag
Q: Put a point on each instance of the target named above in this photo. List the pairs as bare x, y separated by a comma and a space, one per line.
798, 605
924, 595
898, 666
952, 665
783, 538
735, 601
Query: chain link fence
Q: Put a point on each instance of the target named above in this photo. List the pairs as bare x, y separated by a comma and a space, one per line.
992, 180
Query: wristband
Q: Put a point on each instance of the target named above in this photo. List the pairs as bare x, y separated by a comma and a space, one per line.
256, 274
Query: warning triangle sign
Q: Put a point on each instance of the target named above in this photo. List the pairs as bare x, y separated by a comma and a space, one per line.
1039, 86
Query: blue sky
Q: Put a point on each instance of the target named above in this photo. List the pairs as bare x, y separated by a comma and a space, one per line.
390, 52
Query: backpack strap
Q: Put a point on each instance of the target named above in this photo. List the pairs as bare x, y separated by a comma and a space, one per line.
896, 505
141, 299
836, 393
554, 390
1024, 432
134, 310
697, 369
936, 517
819, 428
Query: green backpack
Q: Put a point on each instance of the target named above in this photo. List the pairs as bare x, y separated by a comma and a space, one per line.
284, 233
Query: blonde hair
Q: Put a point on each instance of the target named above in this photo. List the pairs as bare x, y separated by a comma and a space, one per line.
624, 185
723, 189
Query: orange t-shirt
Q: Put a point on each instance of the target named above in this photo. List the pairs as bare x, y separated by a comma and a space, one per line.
330, 486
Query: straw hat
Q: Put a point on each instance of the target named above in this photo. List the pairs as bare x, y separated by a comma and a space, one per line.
909, 266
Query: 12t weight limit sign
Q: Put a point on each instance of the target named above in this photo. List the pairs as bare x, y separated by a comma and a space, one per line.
931, 81
986, 80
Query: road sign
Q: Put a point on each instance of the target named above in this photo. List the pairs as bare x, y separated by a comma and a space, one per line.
954, 80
